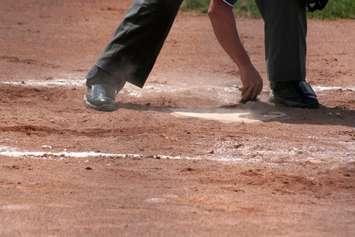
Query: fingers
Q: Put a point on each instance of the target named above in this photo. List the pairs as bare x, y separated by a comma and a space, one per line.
247, 94
254, 92
260, 89
252, 84
251, 93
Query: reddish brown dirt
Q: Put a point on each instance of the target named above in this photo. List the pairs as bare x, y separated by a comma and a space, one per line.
294, 176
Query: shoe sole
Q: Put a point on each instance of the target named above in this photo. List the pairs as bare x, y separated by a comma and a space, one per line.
104, 108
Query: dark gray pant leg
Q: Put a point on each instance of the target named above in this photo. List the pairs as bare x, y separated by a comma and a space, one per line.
285, 38
136, 44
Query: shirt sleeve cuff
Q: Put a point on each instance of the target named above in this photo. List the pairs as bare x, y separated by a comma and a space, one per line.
230, 2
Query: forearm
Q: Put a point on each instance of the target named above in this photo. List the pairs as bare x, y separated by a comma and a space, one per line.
224, 26
225, 29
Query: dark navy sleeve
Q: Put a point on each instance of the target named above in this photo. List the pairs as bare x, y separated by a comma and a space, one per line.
230, 2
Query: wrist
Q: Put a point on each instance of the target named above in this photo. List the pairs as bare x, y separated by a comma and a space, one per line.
243, 61
246, 65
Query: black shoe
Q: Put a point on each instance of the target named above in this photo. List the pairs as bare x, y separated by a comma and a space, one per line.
102, 90
294, 94
101, 97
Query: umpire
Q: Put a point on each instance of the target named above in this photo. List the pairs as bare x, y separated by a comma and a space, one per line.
131, 54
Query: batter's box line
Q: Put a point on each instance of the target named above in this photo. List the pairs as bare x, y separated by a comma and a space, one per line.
150, 86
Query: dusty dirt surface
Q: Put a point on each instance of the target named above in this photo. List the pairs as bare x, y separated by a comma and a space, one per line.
289, 175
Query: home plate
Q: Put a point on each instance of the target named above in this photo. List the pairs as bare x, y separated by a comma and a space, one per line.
232, 115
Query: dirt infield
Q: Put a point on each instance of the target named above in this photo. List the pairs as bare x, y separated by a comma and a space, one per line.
155, 167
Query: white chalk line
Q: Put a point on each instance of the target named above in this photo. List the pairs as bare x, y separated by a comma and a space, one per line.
156, 87
270, 150
222, 154
46, 83
12, 152
333, 88
17, 153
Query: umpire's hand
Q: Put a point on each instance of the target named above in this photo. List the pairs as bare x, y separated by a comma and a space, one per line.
252, 83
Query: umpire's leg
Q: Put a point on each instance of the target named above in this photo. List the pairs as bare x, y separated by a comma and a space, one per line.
132, 52
285, 39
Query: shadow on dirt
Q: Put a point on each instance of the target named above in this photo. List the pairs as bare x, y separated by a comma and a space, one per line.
259, 112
